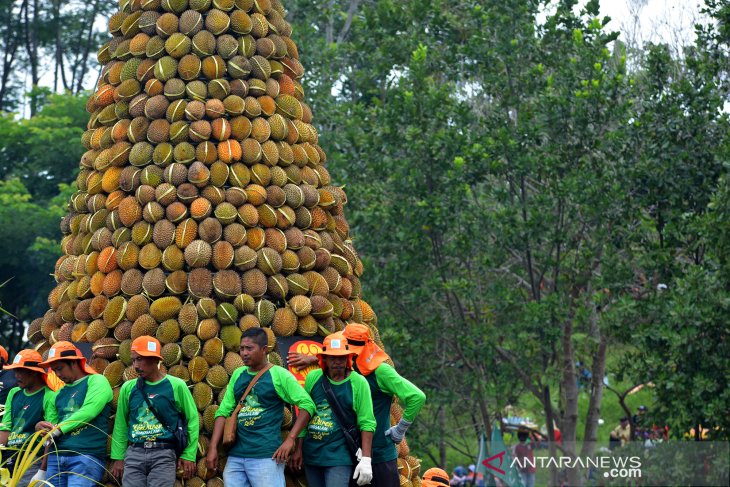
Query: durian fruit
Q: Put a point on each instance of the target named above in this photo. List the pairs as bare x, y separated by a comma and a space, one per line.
203, 206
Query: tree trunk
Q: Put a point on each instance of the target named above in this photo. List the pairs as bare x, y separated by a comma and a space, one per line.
442, 428
549, 419
598, 370
31, 47
569, 387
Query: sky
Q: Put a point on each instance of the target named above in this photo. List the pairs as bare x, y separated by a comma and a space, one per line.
670, 21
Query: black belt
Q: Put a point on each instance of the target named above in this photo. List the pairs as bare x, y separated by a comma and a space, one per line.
154, 445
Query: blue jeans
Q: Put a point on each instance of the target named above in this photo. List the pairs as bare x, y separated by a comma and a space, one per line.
338, 476
253, 472
74, 470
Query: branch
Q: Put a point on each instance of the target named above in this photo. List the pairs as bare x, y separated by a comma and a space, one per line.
350, 14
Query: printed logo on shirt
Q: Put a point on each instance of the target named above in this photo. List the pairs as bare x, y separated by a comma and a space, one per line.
322, 425
251, 411
146, 427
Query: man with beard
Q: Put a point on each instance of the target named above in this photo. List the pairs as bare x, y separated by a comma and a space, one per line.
27, 404
78, 419
326, 451
258, 456
147, 424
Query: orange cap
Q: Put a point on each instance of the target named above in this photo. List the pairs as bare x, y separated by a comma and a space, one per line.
335, 345
66, 351
3, 354
27, 359
435, 477
147, 346
357, 336
369, 354
31, 360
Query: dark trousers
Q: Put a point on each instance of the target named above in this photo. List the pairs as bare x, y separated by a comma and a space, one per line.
385, 474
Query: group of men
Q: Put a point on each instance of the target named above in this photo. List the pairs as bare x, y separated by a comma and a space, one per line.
342, 434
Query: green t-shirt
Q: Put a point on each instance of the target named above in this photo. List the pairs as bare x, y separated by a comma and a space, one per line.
324, 443
259, 421
23, 411
385, 383
83, 409
135, 423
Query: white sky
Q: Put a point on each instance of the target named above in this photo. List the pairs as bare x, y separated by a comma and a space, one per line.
670, 21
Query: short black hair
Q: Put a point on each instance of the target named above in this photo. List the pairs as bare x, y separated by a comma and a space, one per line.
257, 335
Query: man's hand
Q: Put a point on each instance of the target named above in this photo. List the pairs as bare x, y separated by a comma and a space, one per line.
398, 432
281, 455
118, 469
187, 467
301, 360
297, 459
211, 459
44, 426
40, 476
363, 472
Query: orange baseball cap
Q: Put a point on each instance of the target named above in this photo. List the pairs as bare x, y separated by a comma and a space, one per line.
435, 477
357, 336
147, 346
3, 354
66, 351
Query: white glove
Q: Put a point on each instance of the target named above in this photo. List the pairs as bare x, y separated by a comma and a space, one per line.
398, 432
363, 472
39, 476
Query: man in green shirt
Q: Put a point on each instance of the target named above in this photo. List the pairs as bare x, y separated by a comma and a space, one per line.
150, 459
78, 419
384, 383
327, 456
26, 405
258, 456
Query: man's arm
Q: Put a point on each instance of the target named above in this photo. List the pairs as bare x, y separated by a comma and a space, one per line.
185, 402
7, 422
289, 390
121, 424
411, 397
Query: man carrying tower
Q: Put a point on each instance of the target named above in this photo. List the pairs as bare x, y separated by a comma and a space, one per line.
26, 405
148, 412
341, 433
78, 419
257, 457
384, 383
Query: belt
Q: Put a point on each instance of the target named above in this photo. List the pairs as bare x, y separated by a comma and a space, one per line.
154, 445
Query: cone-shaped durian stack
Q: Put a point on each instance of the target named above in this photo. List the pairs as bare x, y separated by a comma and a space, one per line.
203, 205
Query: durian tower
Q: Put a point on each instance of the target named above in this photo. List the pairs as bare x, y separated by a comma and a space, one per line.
203, 205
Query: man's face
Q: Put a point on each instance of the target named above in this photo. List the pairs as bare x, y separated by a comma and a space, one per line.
144, 366
336, 364
252, 354
64, 369
26, 378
